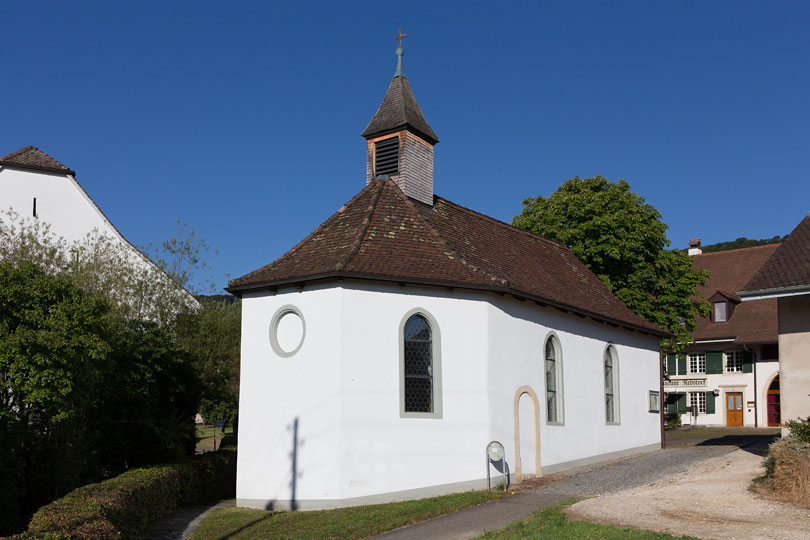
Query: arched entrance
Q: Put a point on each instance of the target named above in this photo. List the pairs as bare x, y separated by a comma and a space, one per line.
534, 427
774, 404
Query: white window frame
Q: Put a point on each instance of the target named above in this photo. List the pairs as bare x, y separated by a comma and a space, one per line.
611, 350
698, 399
734, 362
436, 362
717, 315
554, 341
697, 363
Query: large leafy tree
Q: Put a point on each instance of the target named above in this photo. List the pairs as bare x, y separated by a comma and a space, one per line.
622, 239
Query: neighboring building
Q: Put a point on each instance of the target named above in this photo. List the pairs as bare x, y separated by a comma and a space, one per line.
384, 352
730, 375
785, 278
35, 185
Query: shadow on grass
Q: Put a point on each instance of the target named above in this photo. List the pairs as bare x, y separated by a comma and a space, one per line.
754, 444
245, 527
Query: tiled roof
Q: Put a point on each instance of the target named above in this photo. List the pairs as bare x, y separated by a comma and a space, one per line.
789, 266
381, 234
751, 322
399, 110
31, 157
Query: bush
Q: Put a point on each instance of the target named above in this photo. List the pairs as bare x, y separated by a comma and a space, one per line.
125, 506
787, 471
800, 428
672, 420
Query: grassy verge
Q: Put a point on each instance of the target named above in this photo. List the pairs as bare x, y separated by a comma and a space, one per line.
343, 523
205, 435
552, 524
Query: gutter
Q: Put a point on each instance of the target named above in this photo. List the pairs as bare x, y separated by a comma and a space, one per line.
776, 292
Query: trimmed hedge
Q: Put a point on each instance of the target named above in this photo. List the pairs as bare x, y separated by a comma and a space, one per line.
124, 507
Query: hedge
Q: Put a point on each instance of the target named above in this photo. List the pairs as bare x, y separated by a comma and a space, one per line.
124, 507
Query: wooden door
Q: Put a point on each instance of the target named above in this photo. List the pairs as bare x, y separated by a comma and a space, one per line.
734, 409
774, 405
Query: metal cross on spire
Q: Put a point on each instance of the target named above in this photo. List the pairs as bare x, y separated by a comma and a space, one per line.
399, 37
400, 52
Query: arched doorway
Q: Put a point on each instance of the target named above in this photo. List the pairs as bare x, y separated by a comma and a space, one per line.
774, 404
526, 398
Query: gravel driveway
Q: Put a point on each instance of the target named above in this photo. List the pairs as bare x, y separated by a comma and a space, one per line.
708, 500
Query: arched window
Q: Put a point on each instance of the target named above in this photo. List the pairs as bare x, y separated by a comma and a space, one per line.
611, 386
420, 383
554, 381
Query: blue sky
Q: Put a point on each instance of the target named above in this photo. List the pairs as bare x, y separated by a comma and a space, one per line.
243, 119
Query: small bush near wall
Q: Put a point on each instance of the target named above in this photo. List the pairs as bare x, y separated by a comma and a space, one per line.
125, 506
787, 471
800, 428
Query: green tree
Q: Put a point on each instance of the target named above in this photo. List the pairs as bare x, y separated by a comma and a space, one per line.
212, 335
621, 239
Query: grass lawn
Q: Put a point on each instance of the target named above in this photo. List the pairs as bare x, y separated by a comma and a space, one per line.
205, 435
343, 523
552, 524
692, 433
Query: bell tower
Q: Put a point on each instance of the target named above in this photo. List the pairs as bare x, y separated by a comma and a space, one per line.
400, 141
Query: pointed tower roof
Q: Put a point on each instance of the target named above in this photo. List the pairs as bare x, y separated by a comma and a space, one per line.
399, 110
31, 157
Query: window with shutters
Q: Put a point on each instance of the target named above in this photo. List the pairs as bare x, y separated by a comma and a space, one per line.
734, 362
697, 363
420, 366
611, 373
554, 381
386, 157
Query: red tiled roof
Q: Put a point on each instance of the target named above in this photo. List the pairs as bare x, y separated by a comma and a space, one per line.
751, 322
789, 266
31, 157
381, 234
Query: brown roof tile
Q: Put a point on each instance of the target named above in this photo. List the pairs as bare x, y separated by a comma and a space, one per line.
381, 234
399, 110
31, 157
789, 266
751, 322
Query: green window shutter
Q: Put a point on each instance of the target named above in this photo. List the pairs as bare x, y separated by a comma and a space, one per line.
681, 364
710, 402
714, 362
671, 364
681, 403
748, 362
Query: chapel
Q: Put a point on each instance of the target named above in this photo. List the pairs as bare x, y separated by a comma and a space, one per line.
387, 349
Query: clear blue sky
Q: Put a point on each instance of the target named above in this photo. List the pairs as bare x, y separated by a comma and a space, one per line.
244, 118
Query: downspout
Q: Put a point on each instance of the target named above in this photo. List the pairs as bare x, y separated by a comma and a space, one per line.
756, 388
661, 404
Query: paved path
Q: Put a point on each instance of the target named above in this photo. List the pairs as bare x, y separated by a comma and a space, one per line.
581, 482
181, 526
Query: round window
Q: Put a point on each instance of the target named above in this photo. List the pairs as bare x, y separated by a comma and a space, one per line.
287, 331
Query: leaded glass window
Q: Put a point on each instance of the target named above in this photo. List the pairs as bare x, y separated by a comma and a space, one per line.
418, 365
610, 386
553, 381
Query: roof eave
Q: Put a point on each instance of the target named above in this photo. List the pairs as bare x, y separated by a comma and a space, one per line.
402, 127
775, 292
37, 168
238, 290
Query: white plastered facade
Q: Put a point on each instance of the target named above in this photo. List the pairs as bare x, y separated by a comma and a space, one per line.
64, 205
322, 428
